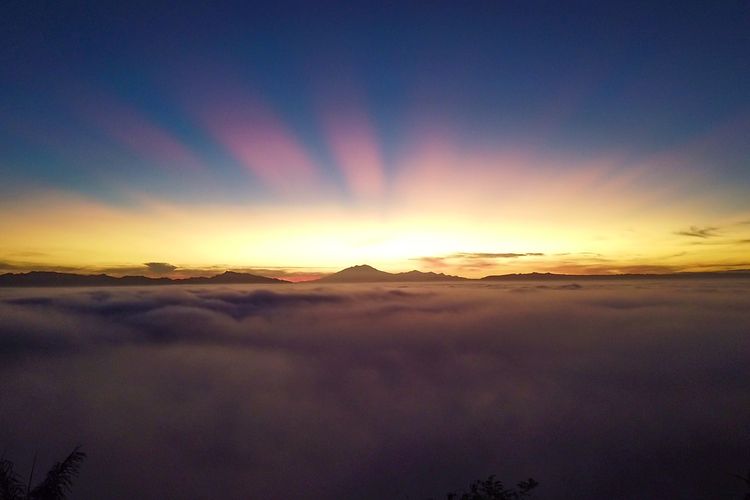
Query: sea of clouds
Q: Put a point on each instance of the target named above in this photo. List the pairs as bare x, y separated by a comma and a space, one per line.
597, 390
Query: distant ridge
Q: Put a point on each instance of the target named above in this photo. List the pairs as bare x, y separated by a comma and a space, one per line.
45, 278
368, 274
737, 273
356, 274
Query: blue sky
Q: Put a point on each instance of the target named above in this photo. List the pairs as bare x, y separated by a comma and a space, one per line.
286, 104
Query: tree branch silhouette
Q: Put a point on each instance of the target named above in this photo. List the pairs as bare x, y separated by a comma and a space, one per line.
55, 486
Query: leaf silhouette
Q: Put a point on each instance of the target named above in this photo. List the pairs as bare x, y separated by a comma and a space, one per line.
492, 489
11, 486
59, 479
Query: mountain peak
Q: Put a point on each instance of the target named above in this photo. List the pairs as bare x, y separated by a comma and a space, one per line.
364, 273
361, 273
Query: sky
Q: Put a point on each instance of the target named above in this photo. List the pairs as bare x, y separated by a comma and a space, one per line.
296, 139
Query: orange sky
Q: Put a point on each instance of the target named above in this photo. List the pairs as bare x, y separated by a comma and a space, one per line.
446, 211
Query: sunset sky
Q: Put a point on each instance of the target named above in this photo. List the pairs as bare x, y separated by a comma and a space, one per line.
469, 138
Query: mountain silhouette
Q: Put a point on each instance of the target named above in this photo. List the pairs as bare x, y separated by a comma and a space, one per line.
231, 277
45, 278
355, 274
368, 274
735, 273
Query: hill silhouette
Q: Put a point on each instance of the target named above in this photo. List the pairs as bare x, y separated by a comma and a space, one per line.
45, 278
739, 273
362, 273
368, 274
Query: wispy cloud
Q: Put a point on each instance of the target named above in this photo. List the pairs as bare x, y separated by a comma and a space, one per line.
611, 268
472, 259
727, 234
700, 232
487, 255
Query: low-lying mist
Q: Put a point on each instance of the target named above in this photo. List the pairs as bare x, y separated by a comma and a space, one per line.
601, 390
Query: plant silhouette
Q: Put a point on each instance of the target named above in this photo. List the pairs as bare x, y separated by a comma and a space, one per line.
55, 486
492, 489
746, 480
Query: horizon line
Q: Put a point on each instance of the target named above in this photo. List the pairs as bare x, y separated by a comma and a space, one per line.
392, 276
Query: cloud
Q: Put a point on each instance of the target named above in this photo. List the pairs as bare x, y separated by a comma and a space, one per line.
8, 266
483, 255
145, 269
473, 260
433, 261
605, 267
380, 391
28, 253
159, 267
700, 232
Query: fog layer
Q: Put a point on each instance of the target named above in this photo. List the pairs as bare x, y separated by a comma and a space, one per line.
602, 390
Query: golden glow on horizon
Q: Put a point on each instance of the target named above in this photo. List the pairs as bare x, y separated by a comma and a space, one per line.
472, 234
444, 209
441, 197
